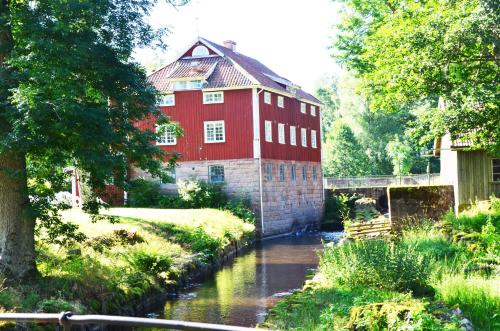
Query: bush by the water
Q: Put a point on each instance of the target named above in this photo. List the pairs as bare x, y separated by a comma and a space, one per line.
377, 264
338, 209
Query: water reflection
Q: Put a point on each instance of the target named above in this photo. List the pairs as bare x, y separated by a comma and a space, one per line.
241, 294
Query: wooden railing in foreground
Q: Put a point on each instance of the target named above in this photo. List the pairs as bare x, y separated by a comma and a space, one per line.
67, 320
369, 229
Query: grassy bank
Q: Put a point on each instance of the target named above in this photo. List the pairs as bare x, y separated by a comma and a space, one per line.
432, 277
146, 252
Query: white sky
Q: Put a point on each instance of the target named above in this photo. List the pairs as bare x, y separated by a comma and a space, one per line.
291, 37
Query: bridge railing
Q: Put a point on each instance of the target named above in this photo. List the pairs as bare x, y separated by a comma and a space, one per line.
67, 320
382, 181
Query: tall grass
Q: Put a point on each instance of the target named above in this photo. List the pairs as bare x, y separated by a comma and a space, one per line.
477, 297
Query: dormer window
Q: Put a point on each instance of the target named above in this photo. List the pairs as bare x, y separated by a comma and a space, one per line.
200, 51
188, 85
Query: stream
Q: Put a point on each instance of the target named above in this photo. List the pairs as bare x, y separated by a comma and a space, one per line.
242, 292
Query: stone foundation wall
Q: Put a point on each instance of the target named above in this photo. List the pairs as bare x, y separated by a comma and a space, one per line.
288, 205
291, 204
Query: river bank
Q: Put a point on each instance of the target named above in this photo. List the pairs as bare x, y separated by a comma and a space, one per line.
443, 276
129, 266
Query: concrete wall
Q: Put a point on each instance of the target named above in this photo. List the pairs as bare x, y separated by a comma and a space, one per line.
286, 205
419, 202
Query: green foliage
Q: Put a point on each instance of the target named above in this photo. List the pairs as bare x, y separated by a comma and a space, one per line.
377, 264
241, 208
328, 95
410, 53
477, 297
338, 209
200, 194
149, 261
400, 153
343, 154
144, 193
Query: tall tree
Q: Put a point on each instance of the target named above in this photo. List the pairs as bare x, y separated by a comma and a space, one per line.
69, 95
407, 52
328, 95
343, 155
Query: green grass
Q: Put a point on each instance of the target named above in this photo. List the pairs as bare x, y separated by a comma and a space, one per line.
477, 297
147, 251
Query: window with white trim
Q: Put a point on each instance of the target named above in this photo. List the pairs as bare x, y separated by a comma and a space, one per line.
314, 142
315, 173
216, 173
281, 101
495, 163
304, 173
302, 108
269, 171
188, 85
168, 137
293, 136
281, 133
293, 172
213, 97
214, 132
313, 110
303, 137
267, 98
166, 100
282, 172
268, 128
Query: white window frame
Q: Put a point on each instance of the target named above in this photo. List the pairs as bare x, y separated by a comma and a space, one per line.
267, 98
281, 133
304, 173
163, 100
303, 108
303, 137
314, 141
293, 135
215, 124
213, 97
282, 175
213, 167
315, 173
169, 137
281, 101
493, 172
313, 110
268, 131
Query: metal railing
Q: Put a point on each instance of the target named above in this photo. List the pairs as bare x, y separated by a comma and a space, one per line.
66, 320
382, 181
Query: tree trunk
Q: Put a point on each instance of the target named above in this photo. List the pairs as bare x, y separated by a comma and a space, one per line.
17, 225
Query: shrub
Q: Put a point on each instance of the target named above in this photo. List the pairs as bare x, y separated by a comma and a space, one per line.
377, 264
241, 208
338, 208
143, 193
477, 297
171, 202
200, 194
150, 262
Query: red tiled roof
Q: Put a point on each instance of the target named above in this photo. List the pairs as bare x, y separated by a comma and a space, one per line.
225, 73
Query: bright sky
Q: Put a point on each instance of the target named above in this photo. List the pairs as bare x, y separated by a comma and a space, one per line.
291, 37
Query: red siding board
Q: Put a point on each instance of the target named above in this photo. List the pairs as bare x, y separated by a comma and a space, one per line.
289, 115
190, 112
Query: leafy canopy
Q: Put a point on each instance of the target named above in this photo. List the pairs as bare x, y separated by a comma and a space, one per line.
408, 52
70, 92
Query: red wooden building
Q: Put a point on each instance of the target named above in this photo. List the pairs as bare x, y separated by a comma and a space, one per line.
246, 126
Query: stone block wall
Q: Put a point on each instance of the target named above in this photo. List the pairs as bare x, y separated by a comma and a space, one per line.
291, 204
419, 202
